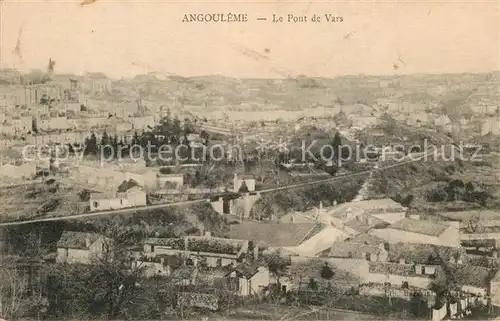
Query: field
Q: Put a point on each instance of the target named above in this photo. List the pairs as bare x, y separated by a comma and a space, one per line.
39, 199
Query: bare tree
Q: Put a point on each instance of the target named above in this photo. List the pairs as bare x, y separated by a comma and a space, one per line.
12, 287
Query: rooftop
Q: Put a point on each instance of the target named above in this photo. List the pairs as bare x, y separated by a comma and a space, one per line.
423, 253
431, 228
273, 234
76, 240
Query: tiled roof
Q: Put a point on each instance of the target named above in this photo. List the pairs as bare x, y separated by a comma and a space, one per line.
175, 243
76, 240
420, 227
214, 245
354, 250
367, 239
392, 268
364, 223
272, 234
472, 215
245, 270
423, 253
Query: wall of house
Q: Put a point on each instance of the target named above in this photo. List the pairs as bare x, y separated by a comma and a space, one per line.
261, 279
495, 293
398, 280
474, 290
439, 314
394, 236
78, 256
106, 204
97, 249
243, 286
62, 255
136, 198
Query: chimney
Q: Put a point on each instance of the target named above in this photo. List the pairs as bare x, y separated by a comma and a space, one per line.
87, 241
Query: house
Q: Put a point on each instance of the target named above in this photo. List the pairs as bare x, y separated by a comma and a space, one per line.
133, 197
384, 209
403, 275
474, 280
419, 231
297, 238
350, 249
427, 256
203, 250
251, 279
81, 247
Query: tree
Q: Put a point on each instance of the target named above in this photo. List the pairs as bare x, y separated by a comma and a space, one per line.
277, 266
12, 289
91, 145
105, 145
327, 272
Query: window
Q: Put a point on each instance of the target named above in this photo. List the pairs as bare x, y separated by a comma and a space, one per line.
96, 204
121, 202
152, 248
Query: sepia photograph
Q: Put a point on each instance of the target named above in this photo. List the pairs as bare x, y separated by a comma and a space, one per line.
249, 160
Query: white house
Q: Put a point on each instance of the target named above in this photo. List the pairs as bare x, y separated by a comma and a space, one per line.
108, 201
251, 279
419, 231
80, 247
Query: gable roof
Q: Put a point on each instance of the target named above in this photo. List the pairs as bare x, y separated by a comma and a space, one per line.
350, 249
420, 226
367, 239
364, 223
273, 234
245, 270
76, 240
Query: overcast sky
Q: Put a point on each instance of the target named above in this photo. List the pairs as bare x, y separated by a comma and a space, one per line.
117, 37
